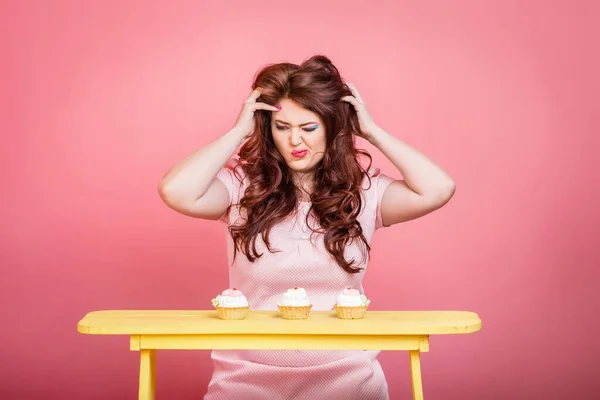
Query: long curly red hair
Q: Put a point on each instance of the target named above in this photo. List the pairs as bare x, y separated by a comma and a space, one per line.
271, 195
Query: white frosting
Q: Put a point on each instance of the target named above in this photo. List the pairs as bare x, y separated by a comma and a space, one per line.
230, 301
352, 301
296, 297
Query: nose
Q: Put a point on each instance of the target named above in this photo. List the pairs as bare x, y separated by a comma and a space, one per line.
295, 136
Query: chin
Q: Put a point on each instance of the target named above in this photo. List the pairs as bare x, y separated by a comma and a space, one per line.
301, 168
297, 168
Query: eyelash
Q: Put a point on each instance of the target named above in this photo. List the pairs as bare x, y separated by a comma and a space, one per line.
284, 128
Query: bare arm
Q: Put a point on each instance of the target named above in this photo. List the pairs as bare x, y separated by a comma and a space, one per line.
190, 187
426, 186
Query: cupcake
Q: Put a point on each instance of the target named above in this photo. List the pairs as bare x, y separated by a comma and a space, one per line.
231, 304
294, 304
351, 304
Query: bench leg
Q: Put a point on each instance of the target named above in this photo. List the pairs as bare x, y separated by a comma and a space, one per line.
147, 374
415, 372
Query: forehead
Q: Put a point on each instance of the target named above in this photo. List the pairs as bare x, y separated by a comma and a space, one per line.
293, 113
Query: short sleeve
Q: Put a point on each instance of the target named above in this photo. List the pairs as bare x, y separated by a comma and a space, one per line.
232, 179
379, 182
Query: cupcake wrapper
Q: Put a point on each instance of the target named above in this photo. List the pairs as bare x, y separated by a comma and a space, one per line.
232, 312
356, 312
292, 312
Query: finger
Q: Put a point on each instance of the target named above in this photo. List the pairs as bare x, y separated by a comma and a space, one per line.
355, 92
254, 95
264, 106
351, 99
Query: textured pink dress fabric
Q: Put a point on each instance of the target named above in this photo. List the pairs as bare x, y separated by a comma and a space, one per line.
301, 262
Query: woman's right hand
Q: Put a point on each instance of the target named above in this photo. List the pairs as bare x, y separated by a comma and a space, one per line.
246, 123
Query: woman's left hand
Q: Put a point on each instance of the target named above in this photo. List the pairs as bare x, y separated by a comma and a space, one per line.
367, 125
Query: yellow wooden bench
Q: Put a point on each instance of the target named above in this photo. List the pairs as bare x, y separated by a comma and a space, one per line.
202, 330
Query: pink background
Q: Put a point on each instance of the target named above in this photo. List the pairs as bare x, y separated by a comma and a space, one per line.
103, 97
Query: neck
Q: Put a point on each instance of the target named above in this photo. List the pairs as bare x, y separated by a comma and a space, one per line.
304, 181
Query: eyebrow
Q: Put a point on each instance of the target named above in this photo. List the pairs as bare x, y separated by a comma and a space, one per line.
304, 124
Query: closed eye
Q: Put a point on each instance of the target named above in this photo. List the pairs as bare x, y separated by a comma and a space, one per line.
285, 128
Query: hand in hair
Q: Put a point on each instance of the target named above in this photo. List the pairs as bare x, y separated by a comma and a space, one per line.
246, 122
366, 123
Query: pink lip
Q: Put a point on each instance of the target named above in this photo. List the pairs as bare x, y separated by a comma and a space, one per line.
299, 154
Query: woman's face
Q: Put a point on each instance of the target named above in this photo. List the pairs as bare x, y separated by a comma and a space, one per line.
299, 136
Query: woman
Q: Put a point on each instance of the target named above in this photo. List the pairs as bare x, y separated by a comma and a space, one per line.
301, 211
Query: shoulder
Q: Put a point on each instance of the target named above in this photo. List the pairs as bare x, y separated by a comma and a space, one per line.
375, 180
234, 178
374, 185
233, 170
373, 172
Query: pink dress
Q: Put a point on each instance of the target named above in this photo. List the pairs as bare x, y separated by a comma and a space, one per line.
297, 374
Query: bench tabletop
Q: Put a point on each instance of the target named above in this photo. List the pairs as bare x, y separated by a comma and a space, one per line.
198, 322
